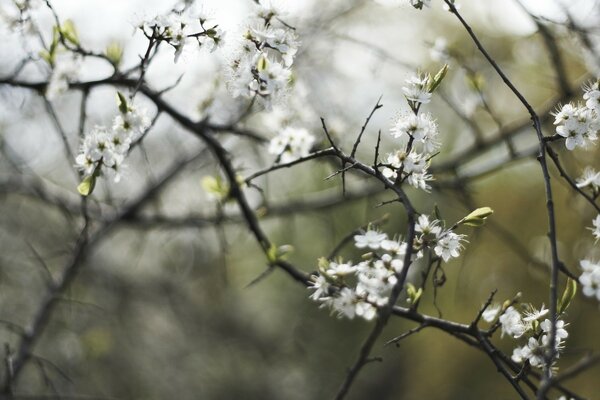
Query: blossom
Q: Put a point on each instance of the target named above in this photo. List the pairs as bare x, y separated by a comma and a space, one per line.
596, 228
417, 89
291, 144
98, 154
589, 178
561, 332
422, 128
533, 314
579, 125
591, 96
320, 285
532, 352
371, 239
491, 313
426, 227
590, 278
340, 269
439, 50
448, 245
512, 323
345, 303
64, 71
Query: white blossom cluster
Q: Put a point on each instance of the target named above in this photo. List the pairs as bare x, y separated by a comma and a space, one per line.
180, 28
590, 179
528, 324
261, 69
65, 70
446, 243
291, 143
579, 124
104, 150
417, 133
358, 289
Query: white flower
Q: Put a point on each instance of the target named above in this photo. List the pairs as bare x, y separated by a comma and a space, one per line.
578, 125
417, 90
132, 124
344, 303
422, 128
291, 144
448, 245
589, 178
596, 228
371, 239
320, 285
533, 314
418, 4
64, 71
532, 352
590, 278
366, 310
439, 51
561, 332
491, 313
427, 227
592, 97
340, 269
512, 323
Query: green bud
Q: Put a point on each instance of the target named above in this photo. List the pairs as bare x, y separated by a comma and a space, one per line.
114, 52
122, 102
437, 79
477, 217
69, 32
568, 295
86, 187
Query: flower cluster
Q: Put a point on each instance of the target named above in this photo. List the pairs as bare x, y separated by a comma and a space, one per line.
291, 144
579, 124
179, 28
261, 69
358, 289
417, 133
445, 242
104, 150
525, 323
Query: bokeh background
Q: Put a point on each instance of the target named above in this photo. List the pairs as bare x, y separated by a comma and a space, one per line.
162, 308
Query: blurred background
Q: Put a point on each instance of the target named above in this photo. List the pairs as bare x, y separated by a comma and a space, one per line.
162, 307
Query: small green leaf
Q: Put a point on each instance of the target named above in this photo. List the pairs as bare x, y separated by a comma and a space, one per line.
477, 217
568, 295
413, 294
122, 100
437, 79
86, 187
49, 58
272, 254
114, 52
69, 32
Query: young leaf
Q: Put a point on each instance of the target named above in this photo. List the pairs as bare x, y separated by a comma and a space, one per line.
568, 295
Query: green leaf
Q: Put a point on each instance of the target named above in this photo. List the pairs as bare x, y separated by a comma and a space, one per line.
568, 295
47, 56
69, 32
437, 79
272, 254
86, 187
413, 294
477, 217
122, 100
114, 52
